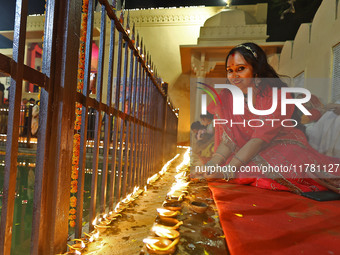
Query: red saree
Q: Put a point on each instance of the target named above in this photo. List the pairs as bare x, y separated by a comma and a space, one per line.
286, 146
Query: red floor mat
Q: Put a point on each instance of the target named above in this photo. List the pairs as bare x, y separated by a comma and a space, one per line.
259, 221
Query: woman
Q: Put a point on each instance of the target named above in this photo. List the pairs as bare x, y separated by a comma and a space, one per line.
269, 145
35, 119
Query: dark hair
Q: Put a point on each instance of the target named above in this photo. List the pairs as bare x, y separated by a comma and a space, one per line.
196, 125
257, 58
209, 116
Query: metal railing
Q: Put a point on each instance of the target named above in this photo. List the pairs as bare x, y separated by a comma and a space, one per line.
137, 130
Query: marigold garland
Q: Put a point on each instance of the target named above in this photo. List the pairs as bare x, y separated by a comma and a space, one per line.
77, 123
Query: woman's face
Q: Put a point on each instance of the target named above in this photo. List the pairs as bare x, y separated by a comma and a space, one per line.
239, 72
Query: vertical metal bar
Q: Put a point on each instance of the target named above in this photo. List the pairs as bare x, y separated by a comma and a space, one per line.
132, 166
146, 128
153, 131
84, 121
43, 135
148, 158
143, 128
123, 148
139, 127
149, 130
108, 121
115, 132
98, 118
10, 172
128, 147
114, 140
164, 125
139, 137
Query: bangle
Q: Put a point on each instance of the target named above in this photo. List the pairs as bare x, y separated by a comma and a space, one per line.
243, 162
220, 155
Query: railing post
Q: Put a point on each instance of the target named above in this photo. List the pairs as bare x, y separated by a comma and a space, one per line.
54, 157
10, 172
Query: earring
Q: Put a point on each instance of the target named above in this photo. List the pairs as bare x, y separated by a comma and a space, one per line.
257, 82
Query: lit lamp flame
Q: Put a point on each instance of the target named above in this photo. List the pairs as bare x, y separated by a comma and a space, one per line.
91, 239
94, 222
166, 213
152, 179
117, 207
150, 240
165, 232
96, 235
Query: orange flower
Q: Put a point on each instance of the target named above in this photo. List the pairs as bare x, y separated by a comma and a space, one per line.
74, 175
80, 76
72, 217
73, 203
72, 223
73, 199
75, 161
72, 211
79, 111
77, 137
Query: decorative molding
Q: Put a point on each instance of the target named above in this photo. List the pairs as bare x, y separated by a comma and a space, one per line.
35, 23
167, 19
233, 32
160, 20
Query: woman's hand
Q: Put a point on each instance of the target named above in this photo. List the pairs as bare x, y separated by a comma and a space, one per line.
333, 107
224, 172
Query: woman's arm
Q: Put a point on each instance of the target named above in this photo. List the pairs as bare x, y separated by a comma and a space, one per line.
221, 155
242, 157
247, 152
